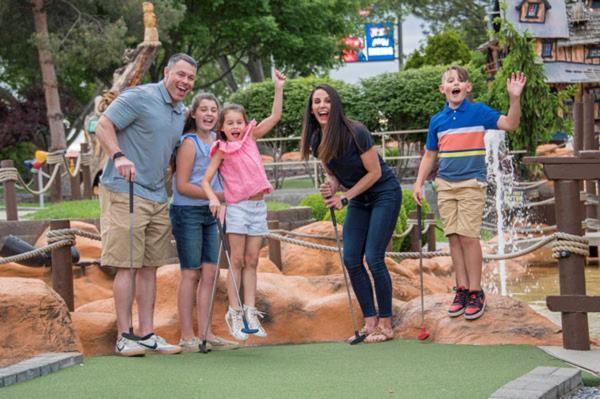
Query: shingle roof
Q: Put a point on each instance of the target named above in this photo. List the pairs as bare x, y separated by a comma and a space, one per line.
555, 27
567, 72
583, 32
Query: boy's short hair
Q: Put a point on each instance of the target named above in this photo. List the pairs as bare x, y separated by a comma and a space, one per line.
462, 73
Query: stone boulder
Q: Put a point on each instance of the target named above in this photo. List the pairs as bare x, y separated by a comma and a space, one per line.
506, 321
34, 320
304, 261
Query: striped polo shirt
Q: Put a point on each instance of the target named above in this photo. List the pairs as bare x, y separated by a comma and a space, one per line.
457, 136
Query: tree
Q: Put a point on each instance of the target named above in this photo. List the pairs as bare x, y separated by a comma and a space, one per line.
55, 116
464, 16
441, 49
539, 104
250, 34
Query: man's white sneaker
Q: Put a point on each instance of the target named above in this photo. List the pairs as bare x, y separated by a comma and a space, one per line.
155, 343
129, 347
252, 315
234, 321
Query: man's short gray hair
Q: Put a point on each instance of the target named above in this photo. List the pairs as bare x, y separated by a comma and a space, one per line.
175, 58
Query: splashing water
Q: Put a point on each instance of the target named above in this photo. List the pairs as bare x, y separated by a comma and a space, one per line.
500, 179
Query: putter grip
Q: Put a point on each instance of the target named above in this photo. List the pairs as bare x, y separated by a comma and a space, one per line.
130, 197
222, 235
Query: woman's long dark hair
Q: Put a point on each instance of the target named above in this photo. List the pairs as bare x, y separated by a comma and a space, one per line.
332, 144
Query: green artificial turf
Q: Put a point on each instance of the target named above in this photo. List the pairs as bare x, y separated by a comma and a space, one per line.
396, 369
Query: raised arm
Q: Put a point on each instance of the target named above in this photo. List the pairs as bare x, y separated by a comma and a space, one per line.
213, 166
269, 123
514, 87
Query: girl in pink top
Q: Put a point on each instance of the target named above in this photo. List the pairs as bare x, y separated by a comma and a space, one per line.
245, 182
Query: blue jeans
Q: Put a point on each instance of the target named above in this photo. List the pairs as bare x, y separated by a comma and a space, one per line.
196, 235
368, 228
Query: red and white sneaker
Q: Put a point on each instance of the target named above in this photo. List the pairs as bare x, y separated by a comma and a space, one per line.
475, 305
459, 303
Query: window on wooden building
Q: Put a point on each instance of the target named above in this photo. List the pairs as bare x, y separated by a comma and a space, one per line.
547, 48
532, 10
593, 52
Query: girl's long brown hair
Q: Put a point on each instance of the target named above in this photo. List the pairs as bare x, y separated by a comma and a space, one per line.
190, 122
333, 143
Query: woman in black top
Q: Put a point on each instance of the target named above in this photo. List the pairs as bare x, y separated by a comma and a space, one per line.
373, 196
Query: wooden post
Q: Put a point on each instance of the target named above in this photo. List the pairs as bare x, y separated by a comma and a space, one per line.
571, 269
56, 191
10, 194
415, 234
431, 244
577, 127
86, 174
75, 187
62, 268
274, 245
589, 144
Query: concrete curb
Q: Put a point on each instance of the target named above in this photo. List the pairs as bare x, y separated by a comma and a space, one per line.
37, 366
541, 383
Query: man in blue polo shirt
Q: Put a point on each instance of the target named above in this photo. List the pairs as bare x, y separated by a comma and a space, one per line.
456, 137
139, 131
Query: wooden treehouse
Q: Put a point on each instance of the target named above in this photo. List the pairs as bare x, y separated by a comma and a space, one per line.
567, 41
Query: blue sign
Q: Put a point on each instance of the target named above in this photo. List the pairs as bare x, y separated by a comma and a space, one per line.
380, 41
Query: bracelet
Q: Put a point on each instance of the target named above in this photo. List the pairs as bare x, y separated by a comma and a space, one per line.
117, 154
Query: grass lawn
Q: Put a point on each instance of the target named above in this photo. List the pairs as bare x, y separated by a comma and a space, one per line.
90, 209
298, 183
395, 369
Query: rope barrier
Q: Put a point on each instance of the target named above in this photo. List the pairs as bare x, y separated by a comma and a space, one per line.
564, 245
529, 185
8, 174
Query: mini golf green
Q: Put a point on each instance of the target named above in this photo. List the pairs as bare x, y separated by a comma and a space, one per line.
396, 369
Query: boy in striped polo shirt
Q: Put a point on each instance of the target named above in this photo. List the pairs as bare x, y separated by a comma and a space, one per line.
456, 138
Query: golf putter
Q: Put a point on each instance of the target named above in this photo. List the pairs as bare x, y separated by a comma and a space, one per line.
424, 334
202, 347
246, 329
358, 338
130, 334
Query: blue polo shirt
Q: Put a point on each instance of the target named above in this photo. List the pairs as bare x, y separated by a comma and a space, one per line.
149, 125
458, 136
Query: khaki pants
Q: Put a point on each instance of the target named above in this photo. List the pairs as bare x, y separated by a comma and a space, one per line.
152, 231
461, 206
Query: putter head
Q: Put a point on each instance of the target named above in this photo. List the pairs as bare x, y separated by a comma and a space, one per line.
246, 329
358, 338
203, 348
130, 335
424, 334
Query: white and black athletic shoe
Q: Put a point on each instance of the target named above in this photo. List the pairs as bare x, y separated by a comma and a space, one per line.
129, 347
157, 344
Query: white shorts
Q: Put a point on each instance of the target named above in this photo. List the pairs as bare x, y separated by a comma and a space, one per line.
247, 217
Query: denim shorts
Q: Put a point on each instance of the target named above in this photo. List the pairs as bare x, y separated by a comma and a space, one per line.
196, 235
247, 217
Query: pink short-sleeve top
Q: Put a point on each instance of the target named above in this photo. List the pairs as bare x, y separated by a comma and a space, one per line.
242, 168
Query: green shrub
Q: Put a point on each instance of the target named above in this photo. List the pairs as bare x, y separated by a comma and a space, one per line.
340, 215
317, 204
19, 153
257, 99
406, 99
